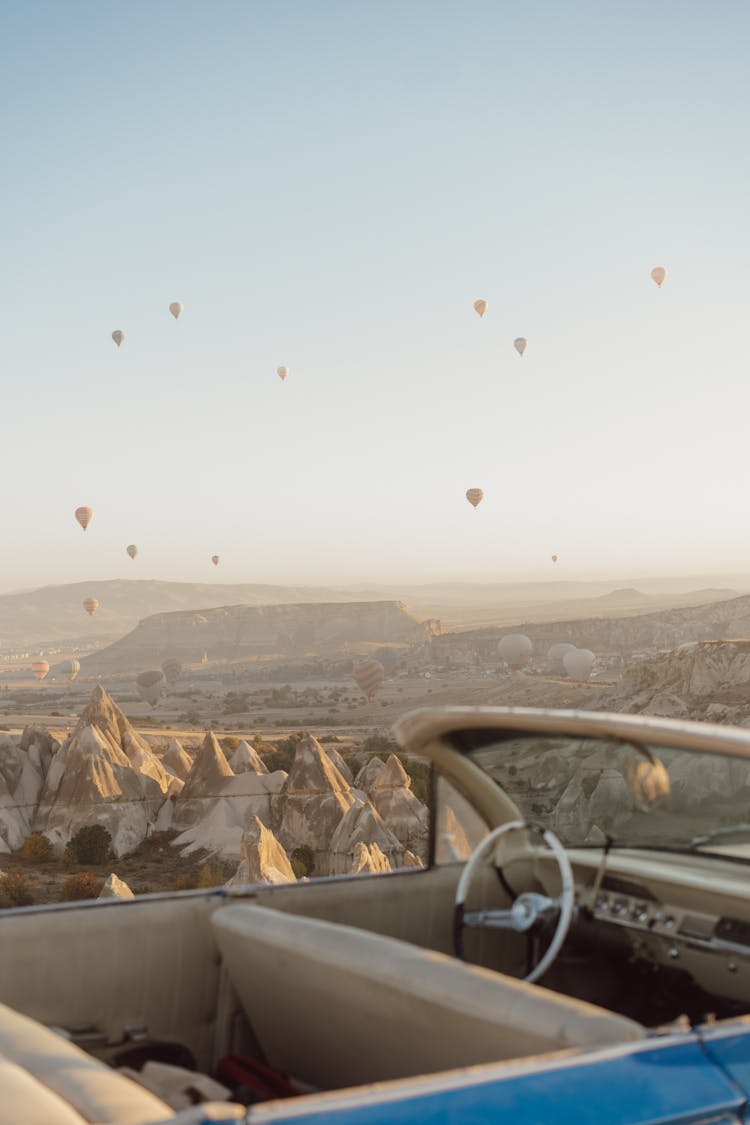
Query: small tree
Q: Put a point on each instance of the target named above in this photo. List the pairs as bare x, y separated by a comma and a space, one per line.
302, 860
81, 886
15, 890
90, 845
211, 875
186, 882
37, 848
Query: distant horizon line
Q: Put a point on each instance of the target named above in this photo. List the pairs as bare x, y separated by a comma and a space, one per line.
479, 579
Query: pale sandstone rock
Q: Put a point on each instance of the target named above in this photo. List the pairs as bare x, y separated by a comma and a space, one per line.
369, 860
263, 858
115, 888
246, 759
405, 815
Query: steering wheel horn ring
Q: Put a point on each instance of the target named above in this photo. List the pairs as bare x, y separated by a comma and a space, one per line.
528, 908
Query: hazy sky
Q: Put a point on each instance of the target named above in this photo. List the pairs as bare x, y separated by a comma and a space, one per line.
330, 185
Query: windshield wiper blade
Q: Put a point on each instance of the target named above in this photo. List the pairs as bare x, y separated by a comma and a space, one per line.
718, 834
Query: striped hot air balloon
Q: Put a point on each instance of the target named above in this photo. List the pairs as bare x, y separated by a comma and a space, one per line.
83, 515
40, 668
119, 337
90, 605
474, 496
172, 670
132, 550
368, 675
520, 344
480, 307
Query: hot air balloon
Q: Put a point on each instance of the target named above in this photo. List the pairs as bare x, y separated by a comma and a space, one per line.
659, 274
132, 550
40, 668
474, 496
388, 657
83, 515
480, 307
216, 559
282, 372
554, 558
368, 675
176, 309
515, 649
118, 337
578, 663
556, 654
172, 670
520, 344
70, 669
149, 686
90, 605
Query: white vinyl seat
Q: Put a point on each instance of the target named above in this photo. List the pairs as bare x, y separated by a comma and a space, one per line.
45, 1080
337, 1006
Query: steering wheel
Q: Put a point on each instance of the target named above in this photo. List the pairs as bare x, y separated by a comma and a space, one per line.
528, 908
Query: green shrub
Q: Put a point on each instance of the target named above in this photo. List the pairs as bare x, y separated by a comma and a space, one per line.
15, 890
302, 860
81, 886
90, 845
37, 848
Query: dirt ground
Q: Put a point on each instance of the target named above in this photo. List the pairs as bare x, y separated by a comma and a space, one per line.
154, 866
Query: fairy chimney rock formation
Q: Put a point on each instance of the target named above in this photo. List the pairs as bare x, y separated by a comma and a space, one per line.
208, 771
362, 825
263, 858
103, 774
177, 760
405, 815
368, 773
369, 860
340, 764
312, 804
246, 759
115, 888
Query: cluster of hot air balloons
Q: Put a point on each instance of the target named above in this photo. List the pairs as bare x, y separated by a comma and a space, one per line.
84, 516
176, 308
520, 342
564, 658
476, 495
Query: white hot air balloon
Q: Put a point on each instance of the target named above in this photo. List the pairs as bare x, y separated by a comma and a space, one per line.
520, 344
480, 307
515, 649
282, 372
119, 337
578, 663
659, 275
556, 654
176, 309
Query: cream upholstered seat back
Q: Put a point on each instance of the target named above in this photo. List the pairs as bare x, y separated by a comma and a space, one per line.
45, 1080
337, 1006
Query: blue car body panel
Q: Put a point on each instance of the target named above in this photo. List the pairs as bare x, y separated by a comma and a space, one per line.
681, 1079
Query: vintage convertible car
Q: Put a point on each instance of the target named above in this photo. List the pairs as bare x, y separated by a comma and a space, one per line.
576, 948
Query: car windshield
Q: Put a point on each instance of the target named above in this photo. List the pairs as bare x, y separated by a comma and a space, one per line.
589, 790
